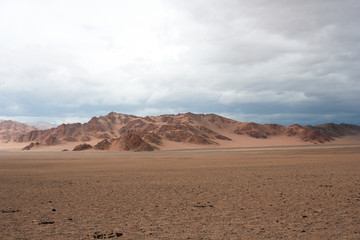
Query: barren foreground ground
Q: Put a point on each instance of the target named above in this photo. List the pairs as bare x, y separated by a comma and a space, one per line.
254, 193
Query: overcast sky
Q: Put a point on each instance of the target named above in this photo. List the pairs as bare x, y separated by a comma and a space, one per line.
267, 61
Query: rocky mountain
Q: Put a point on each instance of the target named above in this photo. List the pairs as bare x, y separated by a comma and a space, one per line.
123, 132
10, 130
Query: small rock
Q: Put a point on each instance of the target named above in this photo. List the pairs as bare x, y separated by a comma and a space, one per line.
82, 147
48, 222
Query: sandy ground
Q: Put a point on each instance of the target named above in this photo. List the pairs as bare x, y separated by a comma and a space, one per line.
237, 141
308, 192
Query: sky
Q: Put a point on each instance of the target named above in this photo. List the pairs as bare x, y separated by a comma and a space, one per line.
265, 61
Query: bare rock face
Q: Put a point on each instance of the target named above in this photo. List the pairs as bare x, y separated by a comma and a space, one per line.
256, 130
82, 147
70, 131
131, 142
134, 142
94, 125
177, 135
308, 134
209, 132
314, 136
294, 130
219, 121
51, 140
152, 138
338, 130
103, 145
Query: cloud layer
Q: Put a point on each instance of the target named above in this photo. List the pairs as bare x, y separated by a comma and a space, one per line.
265, 61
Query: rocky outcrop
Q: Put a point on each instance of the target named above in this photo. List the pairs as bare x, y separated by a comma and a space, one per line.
82, 147
31, 145
103, 145
130, 142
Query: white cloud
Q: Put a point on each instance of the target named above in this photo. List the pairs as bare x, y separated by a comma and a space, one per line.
286, 97
156, 111
71, 120
68, 57
52, 120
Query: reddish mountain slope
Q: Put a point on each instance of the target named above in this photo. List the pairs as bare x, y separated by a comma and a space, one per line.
10, 130
131, 133
338, 130
130, 142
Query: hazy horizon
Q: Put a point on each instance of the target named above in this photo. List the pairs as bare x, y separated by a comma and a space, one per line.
262, 61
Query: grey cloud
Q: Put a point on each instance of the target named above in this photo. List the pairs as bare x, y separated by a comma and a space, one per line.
277, 61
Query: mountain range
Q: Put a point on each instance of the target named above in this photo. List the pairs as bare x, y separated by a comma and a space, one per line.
122, 132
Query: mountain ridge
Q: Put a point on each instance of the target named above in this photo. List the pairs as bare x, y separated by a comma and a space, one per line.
122, 132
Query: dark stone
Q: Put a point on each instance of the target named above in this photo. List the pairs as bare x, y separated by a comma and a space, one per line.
9, 211
44, 222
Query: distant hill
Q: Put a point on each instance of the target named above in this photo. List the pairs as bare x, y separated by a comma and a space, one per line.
42, 125
123, 132
10, 130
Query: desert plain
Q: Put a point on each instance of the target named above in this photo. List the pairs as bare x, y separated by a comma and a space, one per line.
281, 192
